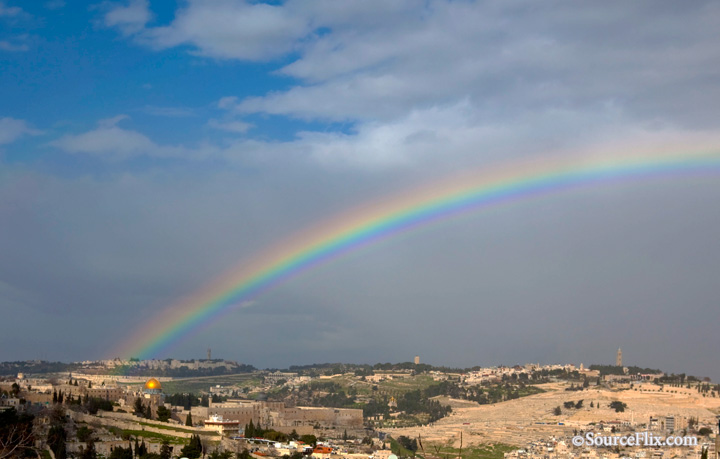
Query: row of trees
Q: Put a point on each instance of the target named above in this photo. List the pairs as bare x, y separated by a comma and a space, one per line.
256, 431
145, 411
616, 405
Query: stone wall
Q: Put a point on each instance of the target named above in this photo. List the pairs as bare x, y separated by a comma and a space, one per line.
121, 421
276, 415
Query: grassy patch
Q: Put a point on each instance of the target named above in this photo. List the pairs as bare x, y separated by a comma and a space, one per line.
155, 436
530, 390
484, 451
196, 385
176, 429
398, 449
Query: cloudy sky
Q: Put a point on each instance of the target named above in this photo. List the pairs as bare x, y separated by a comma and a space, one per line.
146, 148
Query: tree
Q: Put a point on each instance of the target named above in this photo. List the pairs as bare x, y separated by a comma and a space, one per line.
141, 450
148, 412
557, 411
205, 401
139, 407
218, 455
188, 420
274, 435
83, 433
89, 451
16, 434
56, 441
163, 414
249, 429
618, 406
579, 404
92, 405
309, 439
704, 431
192, 450
121, 453
165, 450
408, 443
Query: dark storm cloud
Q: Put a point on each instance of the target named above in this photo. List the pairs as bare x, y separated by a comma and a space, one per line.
426, 93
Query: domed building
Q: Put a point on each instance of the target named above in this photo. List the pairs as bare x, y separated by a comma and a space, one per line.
153, 394
153, 386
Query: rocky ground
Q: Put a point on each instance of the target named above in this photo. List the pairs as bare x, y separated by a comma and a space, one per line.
516, 422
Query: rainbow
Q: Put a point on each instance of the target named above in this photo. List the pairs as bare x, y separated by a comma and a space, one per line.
371, 223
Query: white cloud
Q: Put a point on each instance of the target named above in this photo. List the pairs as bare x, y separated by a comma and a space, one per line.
13, 47
115, 143
12, 129
220, 29
130, 17
227, 102
171, 112
9, 11
55, 4
111, 122
239, 127
506, 58
451, 79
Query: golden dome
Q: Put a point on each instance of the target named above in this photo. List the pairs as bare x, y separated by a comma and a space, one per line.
153, 383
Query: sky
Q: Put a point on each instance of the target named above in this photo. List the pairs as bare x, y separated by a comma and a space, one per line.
148, 147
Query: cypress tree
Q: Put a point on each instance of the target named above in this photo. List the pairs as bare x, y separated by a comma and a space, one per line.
165, 450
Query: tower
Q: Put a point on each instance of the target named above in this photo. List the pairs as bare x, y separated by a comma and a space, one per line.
417, 360
209, 354
618, 360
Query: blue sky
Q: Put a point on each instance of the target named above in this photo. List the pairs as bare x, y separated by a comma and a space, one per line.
146, 147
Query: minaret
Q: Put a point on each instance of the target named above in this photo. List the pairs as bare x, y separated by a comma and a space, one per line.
618, 360
209, 354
